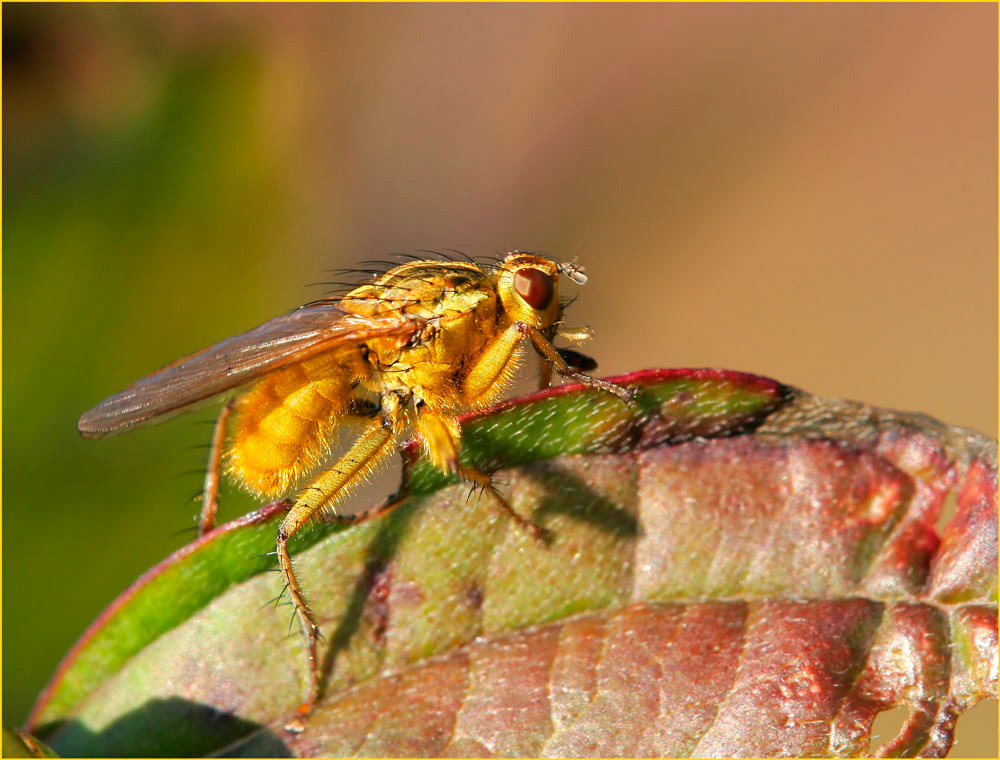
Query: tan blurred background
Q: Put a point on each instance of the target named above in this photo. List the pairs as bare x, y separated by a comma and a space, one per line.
808, 192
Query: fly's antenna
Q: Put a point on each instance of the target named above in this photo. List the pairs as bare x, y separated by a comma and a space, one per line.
573, 271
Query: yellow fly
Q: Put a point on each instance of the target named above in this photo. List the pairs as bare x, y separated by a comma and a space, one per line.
418, 345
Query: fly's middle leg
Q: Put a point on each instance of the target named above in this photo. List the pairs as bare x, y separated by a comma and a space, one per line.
442, 434
371, 448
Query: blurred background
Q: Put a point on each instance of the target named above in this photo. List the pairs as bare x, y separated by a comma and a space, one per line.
807, 192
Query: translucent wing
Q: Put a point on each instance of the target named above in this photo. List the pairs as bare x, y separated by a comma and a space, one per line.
282, 341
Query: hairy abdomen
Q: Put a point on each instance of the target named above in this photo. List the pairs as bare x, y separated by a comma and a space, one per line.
285, 422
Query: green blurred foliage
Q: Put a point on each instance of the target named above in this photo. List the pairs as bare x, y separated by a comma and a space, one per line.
91, 204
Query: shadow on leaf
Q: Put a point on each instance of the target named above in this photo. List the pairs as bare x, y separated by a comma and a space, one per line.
566, 494
383, 548
172, 727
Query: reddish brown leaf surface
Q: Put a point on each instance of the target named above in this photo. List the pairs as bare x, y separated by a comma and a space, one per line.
763, 587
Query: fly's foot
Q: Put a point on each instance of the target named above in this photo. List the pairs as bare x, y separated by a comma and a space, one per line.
542, 535
539, 534
298, 724
627, 393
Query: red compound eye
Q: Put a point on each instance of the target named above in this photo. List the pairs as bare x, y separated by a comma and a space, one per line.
535, 287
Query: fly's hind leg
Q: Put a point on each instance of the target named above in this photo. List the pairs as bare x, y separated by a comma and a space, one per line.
210, 489
375, 443
442, 434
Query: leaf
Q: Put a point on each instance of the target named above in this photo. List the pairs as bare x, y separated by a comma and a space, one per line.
736, 568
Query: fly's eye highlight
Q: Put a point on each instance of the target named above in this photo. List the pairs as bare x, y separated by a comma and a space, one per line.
535, 287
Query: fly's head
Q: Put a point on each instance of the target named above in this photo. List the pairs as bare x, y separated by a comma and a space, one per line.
529, 288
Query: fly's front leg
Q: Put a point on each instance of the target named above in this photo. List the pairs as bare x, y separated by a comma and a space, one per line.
551, 354
491, 365
574, 359
210, 490
544, 376
371, 448
442, 435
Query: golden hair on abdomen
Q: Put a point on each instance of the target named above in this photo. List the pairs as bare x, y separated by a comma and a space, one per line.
284, 423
